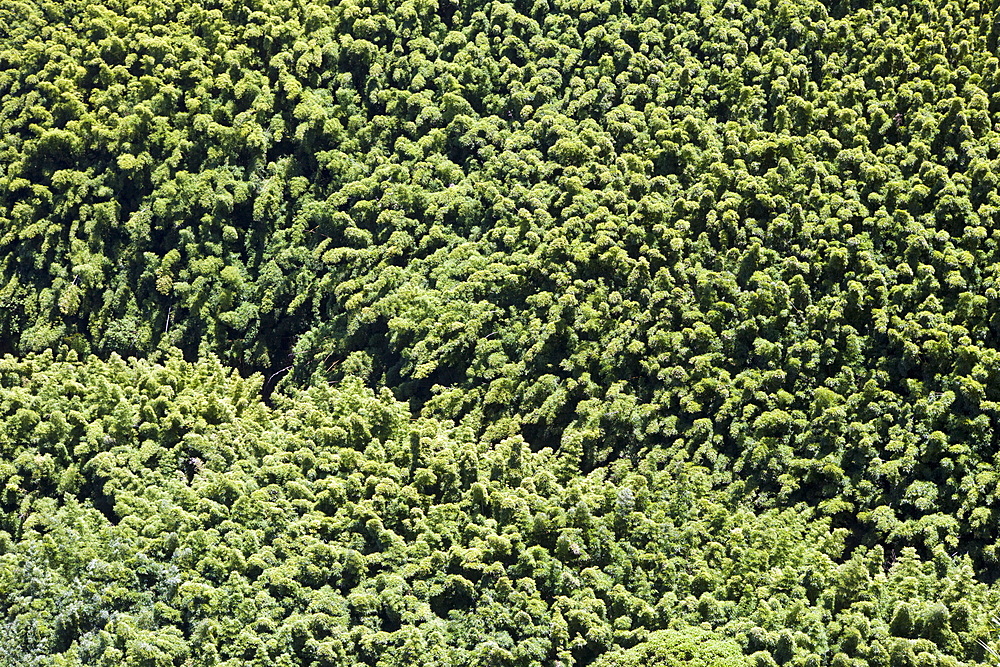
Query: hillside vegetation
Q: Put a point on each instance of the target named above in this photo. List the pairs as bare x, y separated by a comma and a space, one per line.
559, 332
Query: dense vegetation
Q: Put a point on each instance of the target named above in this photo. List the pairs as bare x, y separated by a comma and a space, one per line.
161, 514
560, 332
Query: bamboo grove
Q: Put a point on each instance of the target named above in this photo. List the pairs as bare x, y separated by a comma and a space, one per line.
466, 332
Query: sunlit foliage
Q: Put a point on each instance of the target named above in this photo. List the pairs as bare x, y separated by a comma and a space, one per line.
162, 515
614, 332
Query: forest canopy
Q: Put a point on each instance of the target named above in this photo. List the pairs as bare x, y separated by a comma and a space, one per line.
466, 332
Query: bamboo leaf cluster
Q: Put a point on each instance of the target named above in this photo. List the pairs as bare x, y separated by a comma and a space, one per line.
161, 514
541, 332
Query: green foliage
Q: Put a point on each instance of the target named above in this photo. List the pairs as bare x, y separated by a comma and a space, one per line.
760, 233
532, 333
161, 514
690, 647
